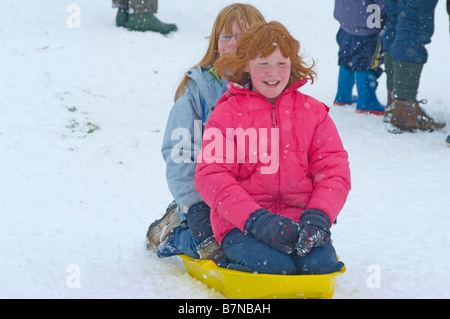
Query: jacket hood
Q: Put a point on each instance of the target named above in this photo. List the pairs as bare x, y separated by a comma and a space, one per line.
209, 85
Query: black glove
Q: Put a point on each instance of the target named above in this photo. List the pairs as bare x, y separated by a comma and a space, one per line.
314, 231
276, 231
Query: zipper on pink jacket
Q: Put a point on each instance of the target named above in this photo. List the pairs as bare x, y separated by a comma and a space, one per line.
274, 116
275, 124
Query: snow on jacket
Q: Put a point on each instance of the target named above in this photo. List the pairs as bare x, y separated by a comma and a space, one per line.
353, 15
313, 170
185, 119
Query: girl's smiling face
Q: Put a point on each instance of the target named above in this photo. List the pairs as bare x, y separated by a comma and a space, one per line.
270, 74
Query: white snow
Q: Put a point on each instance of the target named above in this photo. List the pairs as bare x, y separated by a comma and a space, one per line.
75, 206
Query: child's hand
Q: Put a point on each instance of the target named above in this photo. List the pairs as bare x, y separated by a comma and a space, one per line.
276, 231
314, 231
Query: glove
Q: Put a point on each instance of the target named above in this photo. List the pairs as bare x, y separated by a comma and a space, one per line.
314, 231
276, 231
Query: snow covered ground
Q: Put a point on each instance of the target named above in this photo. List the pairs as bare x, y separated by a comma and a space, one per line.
82, 114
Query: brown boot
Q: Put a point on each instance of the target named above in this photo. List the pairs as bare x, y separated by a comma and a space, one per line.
390, 98
389, 107
161, 228
409, 116
210, 249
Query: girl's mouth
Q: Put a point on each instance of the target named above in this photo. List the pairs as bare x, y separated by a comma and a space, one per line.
272, 83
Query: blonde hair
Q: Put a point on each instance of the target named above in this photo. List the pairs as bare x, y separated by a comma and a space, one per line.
245, 15
261, 40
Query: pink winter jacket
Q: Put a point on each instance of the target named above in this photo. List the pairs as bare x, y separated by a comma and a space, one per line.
286, 157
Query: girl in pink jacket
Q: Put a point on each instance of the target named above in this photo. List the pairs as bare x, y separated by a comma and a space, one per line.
272, 167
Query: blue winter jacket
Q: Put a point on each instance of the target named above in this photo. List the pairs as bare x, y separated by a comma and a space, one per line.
353, 15
183, 133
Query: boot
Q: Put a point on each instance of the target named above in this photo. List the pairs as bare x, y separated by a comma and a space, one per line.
161, 228
409, 116
346, 81
389, 107
148, 22
366, 85
211, 250
390, 98
121, 17
447, 141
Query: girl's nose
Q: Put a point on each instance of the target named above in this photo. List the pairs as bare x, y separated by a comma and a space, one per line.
233, 40
271, 70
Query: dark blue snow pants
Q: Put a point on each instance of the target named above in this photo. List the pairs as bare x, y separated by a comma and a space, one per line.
409, 28
246, 253
359, 53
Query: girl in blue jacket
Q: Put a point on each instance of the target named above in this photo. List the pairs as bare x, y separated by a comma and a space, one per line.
186, 227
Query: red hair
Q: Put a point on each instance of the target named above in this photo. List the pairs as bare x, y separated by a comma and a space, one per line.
261, 40
244, 15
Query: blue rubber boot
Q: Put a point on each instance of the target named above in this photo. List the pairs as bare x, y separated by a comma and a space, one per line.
366, 85
346, 81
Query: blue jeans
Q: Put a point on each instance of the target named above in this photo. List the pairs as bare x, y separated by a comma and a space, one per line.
409, 28
246, 253
184, 239
180, 241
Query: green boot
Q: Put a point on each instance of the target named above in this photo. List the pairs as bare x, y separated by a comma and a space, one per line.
148, 22
121, 17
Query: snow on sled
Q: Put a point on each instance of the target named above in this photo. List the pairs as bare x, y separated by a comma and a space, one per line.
243, 285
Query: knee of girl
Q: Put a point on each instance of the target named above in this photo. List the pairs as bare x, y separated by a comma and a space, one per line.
253, 255
321, 260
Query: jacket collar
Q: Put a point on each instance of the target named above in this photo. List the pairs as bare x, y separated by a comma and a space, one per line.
236, 88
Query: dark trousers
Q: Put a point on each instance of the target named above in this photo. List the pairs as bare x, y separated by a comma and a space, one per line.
409, 28
138, 6
359, 53
246, 253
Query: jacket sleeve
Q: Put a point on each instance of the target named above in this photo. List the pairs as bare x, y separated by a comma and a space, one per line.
329, 168
181, 144
216, 177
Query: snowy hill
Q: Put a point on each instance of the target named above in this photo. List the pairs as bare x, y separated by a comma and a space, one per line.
82, 114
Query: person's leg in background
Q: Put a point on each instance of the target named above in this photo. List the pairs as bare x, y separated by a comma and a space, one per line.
405, 43
139, 15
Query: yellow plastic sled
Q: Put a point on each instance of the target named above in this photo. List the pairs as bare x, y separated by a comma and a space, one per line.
242, 285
